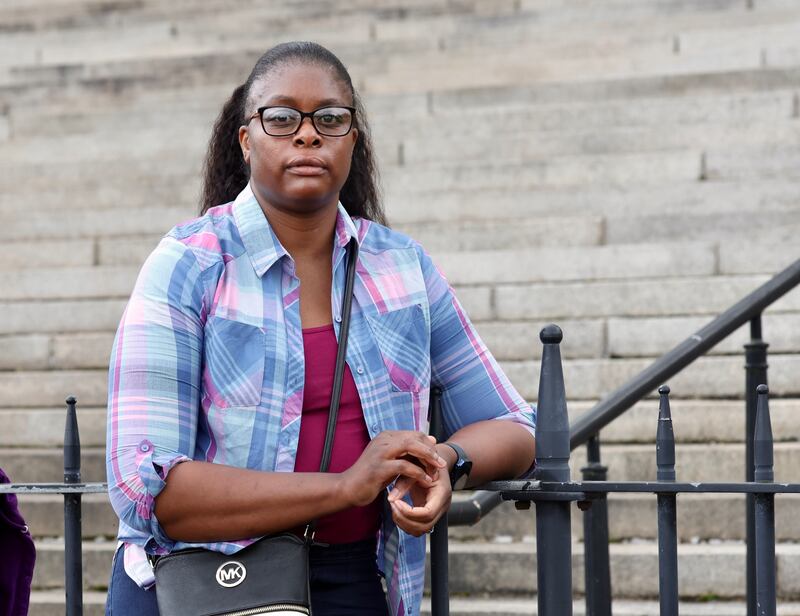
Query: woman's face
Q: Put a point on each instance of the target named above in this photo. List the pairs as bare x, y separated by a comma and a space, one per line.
274, 174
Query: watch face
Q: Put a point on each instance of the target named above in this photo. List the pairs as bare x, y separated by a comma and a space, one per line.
461, 482
460, 474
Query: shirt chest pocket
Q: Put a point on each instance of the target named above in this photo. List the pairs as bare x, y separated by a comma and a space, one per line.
233, 375
403, 339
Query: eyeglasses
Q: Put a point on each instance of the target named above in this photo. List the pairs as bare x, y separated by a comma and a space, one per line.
285, 121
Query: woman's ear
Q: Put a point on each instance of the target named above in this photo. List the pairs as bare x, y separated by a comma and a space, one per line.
244, 143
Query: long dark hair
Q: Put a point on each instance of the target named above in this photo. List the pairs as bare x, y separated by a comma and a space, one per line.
226, 174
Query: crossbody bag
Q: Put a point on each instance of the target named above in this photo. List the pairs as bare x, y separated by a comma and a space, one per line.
269, 576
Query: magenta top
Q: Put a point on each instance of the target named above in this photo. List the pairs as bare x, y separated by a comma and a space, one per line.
319, 347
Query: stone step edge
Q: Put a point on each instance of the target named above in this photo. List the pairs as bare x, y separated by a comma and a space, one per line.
499, 605
510, 606
646, 547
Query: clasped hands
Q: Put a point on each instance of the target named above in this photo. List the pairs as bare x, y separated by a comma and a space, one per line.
410, 461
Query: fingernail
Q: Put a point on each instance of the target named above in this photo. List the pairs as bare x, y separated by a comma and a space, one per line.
428, 479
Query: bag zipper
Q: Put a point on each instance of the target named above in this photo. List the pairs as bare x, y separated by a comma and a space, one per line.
269, 609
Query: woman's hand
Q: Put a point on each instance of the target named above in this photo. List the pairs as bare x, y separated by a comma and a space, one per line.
387, 456
430, 501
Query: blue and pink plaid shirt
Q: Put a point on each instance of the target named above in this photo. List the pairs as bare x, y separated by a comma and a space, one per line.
208, 364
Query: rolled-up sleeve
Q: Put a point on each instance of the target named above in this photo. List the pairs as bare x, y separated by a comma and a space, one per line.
474, 386
154, 387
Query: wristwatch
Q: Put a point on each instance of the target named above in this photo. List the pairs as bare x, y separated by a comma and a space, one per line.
459, 474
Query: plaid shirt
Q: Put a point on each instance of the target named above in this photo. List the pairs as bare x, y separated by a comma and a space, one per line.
208, 364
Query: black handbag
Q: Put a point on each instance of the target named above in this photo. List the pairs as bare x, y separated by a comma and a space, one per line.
269, 576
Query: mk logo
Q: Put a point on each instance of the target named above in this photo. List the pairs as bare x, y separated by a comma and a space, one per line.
231, 574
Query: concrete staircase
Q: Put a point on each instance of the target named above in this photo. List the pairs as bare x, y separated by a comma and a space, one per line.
625, 168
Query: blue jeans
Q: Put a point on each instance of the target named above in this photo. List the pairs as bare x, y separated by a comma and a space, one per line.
344, 581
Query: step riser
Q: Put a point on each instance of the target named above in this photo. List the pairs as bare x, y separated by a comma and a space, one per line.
625, 463
694, 422
710, 377
720, 518
634, 572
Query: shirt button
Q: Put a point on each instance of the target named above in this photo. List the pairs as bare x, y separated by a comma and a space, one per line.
144, 447
338, 319
360, 370
375, 428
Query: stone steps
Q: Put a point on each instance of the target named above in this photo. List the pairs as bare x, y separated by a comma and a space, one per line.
516, 333
506, 568
201, 105
435, 237
51, 603
716, 377
694, 462
61, 352
30, 344
57, 316
696, 421
174, 34
629, 337
708, 56
607, 171
585, 263
514, 606
524, 133
698, 201
672, 200
701, 517
524, 270
532, 169
90, 223
640, 298
492, 67
707, 377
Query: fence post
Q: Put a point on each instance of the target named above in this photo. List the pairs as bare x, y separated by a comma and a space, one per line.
764, 509
667, 512
440, 594
755, 375
553, 532
73, 559
595, 537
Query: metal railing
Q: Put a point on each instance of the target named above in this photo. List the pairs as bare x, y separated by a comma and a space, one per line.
553, 491
73, 490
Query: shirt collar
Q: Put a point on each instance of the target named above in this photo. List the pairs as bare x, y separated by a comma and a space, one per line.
260, 241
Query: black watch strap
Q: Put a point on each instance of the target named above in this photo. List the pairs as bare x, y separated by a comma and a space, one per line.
461, 469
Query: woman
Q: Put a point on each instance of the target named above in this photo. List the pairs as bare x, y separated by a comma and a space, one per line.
229, 341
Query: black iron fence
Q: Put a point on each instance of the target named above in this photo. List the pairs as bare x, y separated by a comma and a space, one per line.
552, 491
72, 489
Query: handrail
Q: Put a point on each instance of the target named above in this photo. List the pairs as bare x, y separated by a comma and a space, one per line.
669, 364
472, 510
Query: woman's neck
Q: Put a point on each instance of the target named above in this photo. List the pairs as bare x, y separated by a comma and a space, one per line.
304, 236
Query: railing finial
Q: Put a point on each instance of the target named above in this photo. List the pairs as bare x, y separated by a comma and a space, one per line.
665, 438
552, 422
551, 334
72, 444
763, 442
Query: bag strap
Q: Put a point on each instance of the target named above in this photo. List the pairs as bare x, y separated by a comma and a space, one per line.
338, 374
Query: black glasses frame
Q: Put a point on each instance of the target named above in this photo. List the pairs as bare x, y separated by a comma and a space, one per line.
303, 115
